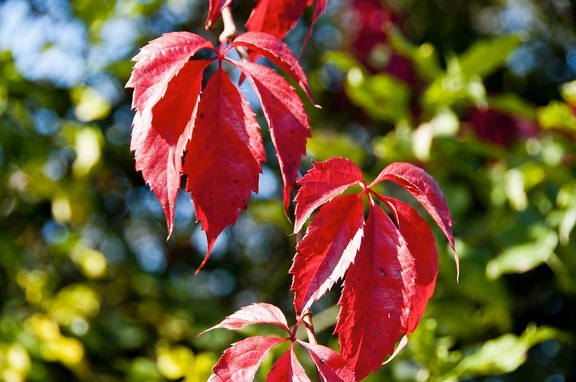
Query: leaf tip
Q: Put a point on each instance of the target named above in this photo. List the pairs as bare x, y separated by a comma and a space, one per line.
457, 261
401, 345
206, 256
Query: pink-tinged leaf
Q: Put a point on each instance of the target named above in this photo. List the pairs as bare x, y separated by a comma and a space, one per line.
327, 249
159, 148
420, 241
156, 64
275, 17
321, 184
259, 313
330, 365
214, 9
287, 369
277, 52
425, 189
240, 362
373, 312
286, 117
224, 157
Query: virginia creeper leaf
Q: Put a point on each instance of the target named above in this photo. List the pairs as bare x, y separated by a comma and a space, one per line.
277, 52
275, 17
287, 369
259, 313
214, 126
425, 189
224, 157
322, 183
156, 64
420, 241
240, 362
159, 150
373, 311
286, 117
327, 249
163, 78
330, 365
214, 9
389, 277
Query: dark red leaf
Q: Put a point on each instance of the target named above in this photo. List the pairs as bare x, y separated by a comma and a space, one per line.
214, 9
287, 369
240, 362
425, 189
322, 183
224, 157
286, 117
275, 17
260, 313
373, 312
159, 149
420, 240
327, 249
330, 365
277, 52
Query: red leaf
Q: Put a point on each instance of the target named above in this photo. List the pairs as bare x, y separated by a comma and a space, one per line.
275, 17
162, 78
240, 362
373, 312
260, 313
322, 183
420, 241
286, 117
327, 249
330, 365
159, 150
319, 8
425, 189
156, 64
287, 369
277, 52
214, 9
224, 155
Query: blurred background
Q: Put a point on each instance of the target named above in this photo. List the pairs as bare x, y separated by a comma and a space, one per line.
477, 92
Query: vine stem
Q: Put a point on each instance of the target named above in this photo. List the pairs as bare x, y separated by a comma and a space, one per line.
307, 319
230, 32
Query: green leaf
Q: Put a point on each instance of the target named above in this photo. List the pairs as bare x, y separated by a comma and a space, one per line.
557, 115
424, 57
484, 57
524, 257
382, 96
504, 354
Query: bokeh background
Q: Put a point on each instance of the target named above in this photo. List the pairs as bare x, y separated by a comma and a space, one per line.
477, 92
